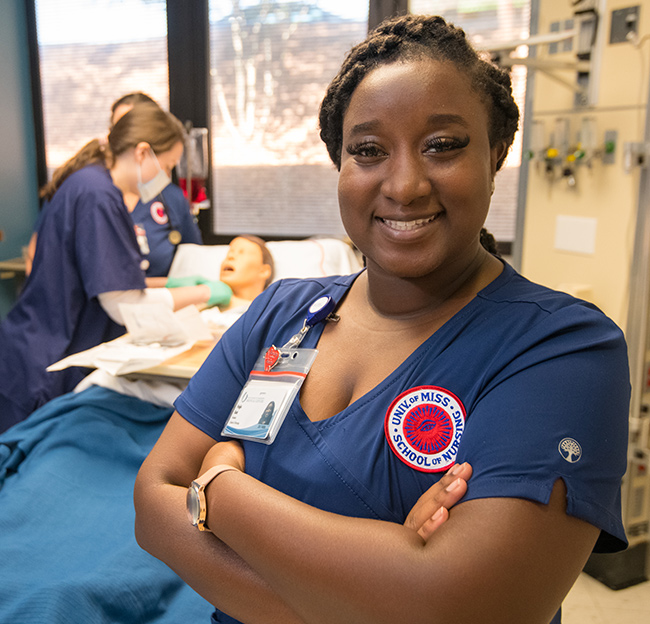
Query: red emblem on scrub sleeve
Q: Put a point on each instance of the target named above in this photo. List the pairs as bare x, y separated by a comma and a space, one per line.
429, 428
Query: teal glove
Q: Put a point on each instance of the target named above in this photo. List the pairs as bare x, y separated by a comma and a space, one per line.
220, 293
178, 282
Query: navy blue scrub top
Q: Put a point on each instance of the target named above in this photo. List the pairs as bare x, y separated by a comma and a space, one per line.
542, 379
86, 246
158, 223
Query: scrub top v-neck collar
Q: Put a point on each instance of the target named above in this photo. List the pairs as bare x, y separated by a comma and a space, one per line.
434, 344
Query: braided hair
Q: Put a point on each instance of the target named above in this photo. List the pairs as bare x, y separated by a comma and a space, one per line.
411, 37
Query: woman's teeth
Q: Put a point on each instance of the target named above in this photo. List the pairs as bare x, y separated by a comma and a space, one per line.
408, 225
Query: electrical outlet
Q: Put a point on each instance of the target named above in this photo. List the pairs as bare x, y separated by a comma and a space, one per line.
624, 22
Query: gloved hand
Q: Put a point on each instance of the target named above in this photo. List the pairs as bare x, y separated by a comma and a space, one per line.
178, 282
220, 293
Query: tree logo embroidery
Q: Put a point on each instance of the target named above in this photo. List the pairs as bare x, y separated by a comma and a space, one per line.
570, 450
424, 426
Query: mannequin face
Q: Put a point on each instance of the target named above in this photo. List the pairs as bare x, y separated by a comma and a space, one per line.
244, 266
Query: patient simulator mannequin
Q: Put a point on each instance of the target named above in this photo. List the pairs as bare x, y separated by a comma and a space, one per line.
247, 269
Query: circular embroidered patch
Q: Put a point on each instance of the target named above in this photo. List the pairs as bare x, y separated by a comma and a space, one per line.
158, 213
424, 426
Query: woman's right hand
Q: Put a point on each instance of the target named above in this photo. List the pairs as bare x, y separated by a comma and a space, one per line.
432, 508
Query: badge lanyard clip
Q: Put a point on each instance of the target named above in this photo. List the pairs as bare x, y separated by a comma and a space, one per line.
268, 394
318, 311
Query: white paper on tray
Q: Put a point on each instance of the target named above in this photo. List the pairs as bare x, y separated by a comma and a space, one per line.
122, 355
148, 323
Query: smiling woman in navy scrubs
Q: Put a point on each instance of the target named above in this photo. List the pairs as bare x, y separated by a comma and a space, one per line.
87, 260
443, 374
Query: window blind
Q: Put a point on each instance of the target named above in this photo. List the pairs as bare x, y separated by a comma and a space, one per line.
91, 53
270, 65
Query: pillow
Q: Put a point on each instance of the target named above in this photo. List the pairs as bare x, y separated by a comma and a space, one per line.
314, 257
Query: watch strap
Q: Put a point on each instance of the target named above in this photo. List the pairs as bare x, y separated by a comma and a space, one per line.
198, 486
211, 473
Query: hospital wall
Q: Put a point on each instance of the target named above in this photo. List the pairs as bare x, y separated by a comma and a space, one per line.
18, 178
581, 238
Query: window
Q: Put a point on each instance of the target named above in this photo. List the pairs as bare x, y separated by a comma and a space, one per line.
270, 65
92, 52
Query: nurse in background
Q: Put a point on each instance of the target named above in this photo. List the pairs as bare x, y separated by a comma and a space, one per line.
87, 260
162, 223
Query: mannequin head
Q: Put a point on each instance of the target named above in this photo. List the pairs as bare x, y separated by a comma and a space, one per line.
248, 267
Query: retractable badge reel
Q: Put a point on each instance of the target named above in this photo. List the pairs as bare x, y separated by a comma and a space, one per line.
275, 381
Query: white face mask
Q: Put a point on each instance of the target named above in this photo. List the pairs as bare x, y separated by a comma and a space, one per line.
150, 190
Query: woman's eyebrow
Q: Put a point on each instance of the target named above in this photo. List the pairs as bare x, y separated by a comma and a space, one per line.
364, 126
447, 119
437, 119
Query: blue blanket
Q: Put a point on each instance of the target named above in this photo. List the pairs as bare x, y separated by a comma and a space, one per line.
67, 549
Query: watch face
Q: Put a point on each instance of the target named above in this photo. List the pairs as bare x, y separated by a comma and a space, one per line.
193, 505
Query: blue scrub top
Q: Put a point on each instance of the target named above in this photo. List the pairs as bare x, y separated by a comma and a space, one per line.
541, 378
86, 246
159, 218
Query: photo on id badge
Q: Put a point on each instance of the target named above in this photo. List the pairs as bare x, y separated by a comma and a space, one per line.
253, 414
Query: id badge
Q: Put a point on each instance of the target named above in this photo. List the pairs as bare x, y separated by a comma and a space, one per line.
268, 394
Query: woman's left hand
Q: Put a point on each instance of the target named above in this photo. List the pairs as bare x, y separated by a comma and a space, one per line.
231, 453
432, 508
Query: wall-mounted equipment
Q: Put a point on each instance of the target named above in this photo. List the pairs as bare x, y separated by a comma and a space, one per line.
585, 40
635, 155
625, 25
560, 156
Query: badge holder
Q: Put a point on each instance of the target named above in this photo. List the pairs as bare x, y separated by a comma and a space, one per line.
274, 383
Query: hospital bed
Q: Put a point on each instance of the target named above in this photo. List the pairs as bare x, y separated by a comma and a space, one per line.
67, 550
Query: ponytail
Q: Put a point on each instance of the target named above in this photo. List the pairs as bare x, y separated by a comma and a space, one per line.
93, 152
